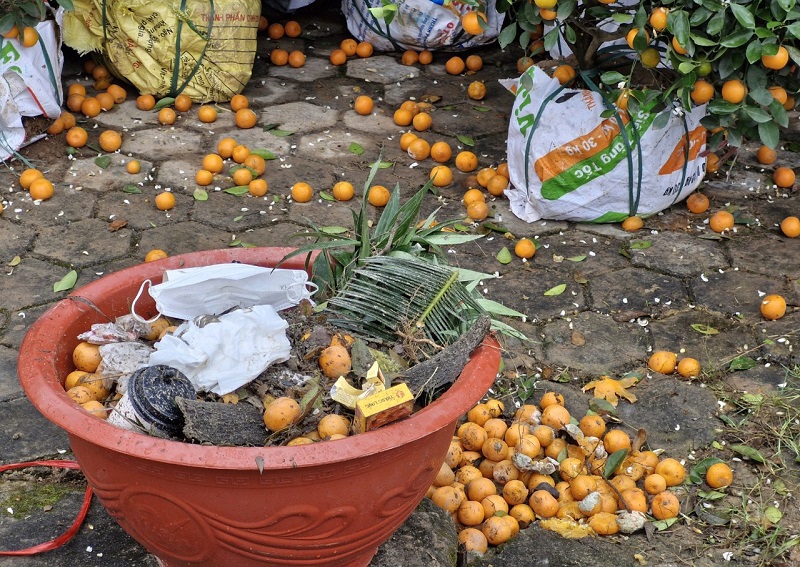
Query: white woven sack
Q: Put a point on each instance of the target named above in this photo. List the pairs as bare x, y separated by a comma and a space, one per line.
419, 24
567, 162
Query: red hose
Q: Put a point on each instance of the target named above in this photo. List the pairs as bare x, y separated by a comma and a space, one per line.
73, 529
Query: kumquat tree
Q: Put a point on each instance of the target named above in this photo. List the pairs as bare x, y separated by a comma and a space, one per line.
738, 57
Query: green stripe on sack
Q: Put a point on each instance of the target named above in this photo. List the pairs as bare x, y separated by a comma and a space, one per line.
599, 164
610, 217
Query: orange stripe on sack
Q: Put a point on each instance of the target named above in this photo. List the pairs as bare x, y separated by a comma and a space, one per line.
675, 161
564, 157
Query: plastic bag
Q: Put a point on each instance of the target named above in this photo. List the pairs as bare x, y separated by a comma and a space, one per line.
120, 360
210, 290
30, 82
567, 162
202, 48
227, 352
419, 24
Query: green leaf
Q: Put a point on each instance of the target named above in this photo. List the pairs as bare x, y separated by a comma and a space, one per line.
200, 195
580, 258
496, 308
382, 164
504, 256
599, 405
662, 525
748, 452
238, 219
769, 134
263, 154
102, 161
356, 149
736, 39
450, 239
743, 15
132, 189
270, 126
280, 133
757, 114
772, 514
466, 140
557, 290
333, 229
234, 243
697, 474
613, 78
164, 102
507, 35
67, 5
641, 245
326, 196
14, 261
238, 190
704, 329
742, 363
67, 282
613, 462
495, 227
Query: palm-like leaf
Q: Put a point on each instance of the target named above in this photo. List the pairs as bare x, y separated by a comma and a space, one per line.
404, 299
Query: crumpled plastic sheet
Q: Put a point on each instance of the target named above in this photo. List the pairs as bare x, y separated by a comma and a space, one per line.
124, 329
221, 354
120, 360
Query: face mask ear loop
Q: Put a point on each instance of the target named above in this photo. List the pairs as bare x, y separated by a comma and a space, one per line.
145, 283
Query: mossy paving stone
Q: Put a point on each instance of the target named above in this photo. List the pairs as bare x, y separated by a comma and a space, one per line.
16, 324
678, 416
378, 123
14, 240
139, 209
30, 524
760, 379
277, 234
100, 542
267, 90
380, 69
178, 174
776, 256
748, 182
677, 254
465, 120
536, 547
334, 145
780, 340
68, 204
235, 213
31, 283
9, 383
299, 117
593, 344
735, 293
591, 255
427, 539
631, 293
78, 243
158, 144
527, 295
713, 351
26, 434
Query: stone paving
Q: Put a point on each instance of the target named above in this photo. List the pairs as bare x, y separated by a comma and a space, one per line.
626, 294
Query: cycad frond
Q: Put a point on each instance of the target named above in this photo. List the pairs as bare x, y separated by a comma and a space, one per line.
392, 300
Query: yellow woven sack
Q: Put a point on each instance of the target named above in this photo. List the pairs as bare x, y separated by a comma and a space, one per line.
203, 48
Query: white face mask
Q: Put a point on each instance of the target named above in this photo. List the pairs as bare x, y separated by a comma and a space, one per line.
210, 290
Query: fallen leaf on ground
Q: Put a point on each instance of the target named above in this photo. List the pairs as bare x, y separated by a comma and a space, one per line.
611, 390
